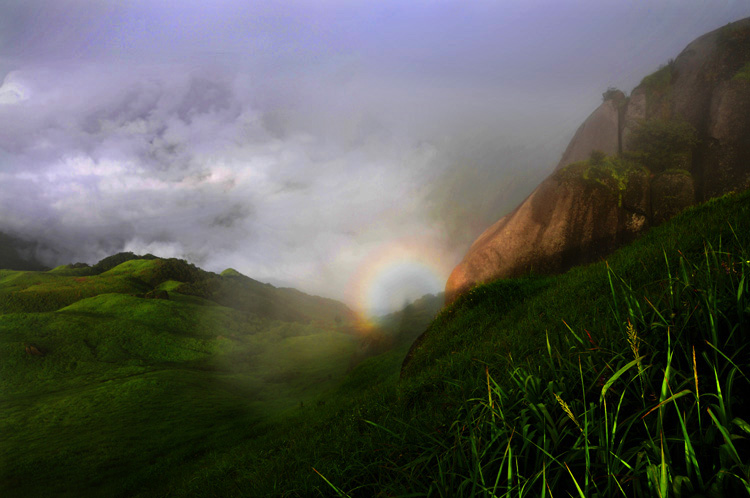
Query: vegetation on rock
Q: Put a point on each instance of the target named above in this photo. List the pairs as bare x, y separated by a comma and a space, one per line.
658, 87
662, 144
743, 74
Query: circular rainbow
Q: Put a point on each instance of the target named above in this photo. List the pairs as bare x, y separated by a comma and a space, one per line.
396, 274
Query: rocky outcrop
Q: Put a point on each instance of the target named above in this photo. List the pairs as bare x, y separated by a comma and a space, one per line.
553, 229
600, 131
725, 153
590, 206
634, 113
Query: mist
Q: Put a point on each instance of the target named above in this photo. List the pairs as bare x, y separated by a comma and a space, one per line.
350, 150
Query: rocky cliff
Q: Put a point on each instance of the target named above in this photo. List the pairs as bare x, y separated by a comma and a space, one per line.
681, 137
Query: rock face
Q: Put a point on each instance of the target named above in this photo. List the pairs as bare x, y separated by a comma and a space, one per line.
582, 212
600, 131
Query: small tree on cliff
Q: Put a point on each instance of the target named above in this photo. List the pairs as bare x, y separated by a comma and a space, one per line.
612, 93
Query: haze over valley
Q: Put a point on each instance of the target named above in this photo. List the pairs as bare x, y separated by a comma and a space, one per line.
352, 151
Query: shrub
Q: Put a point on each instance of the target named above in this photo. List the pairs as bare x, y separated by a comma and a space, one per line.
597, 158
743, 73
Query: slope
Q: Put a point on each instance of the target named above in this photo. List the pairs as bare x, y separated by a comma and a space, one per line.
583, 383
110, 383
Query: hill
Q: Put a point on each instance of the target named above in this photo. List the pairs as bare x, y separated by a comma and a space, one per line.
144, 276
619, 378
118, 376
625, 377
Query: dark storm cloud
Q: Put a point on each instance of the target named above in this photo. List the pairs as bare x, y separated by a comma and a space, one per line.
234, 214
294, 140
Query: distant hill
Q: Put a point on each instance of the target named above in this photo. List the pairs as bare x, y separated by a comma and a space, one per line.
399, 329
409, 322
140, 275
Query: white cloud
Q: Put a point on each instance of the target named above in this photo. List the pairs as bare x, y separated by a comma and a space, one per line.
294, 142
12, 91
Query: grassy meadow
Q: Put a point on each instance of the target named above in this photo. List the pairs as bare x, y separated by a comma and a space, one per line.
106, 392
627, 377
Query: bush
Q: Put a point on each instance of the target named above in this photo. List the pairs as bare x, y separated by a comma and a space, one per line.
597, 158
613, 93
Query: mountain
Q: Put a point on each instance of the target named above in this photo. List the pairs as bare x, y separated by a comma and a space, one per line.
681, 137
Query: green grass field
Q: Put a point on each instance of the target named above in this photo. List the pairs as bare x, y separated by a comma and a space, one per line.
130, 390
621, 378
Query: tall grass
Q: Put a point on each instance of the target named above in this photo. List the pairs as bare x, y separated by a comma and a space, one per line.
653, 407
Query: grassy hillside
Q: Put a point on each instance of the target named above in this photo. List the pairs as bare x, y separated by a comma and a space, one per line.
113, 382
621, 378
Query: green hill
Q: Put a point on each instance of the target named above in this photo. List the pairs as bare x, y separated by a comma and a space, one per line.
620, 378
115, 377
582, 384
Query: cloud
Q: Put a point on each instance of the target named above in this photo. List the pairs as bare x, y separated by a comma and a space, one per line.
293, 142
182, 164
11, 91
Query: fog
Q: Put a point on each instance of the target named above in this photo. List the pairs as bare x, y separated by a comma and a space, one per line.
308, 144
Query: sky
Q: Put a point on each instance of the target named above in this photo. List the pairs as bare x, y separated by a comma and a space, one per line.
352, 150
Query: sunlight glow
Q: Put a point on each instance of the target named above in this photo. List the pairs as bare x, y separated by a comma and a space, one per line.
396, 275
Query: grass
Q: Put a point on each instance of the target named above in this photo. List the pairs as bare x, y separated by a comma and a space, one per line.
582, 384
630, 413
127, 393
620, 378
